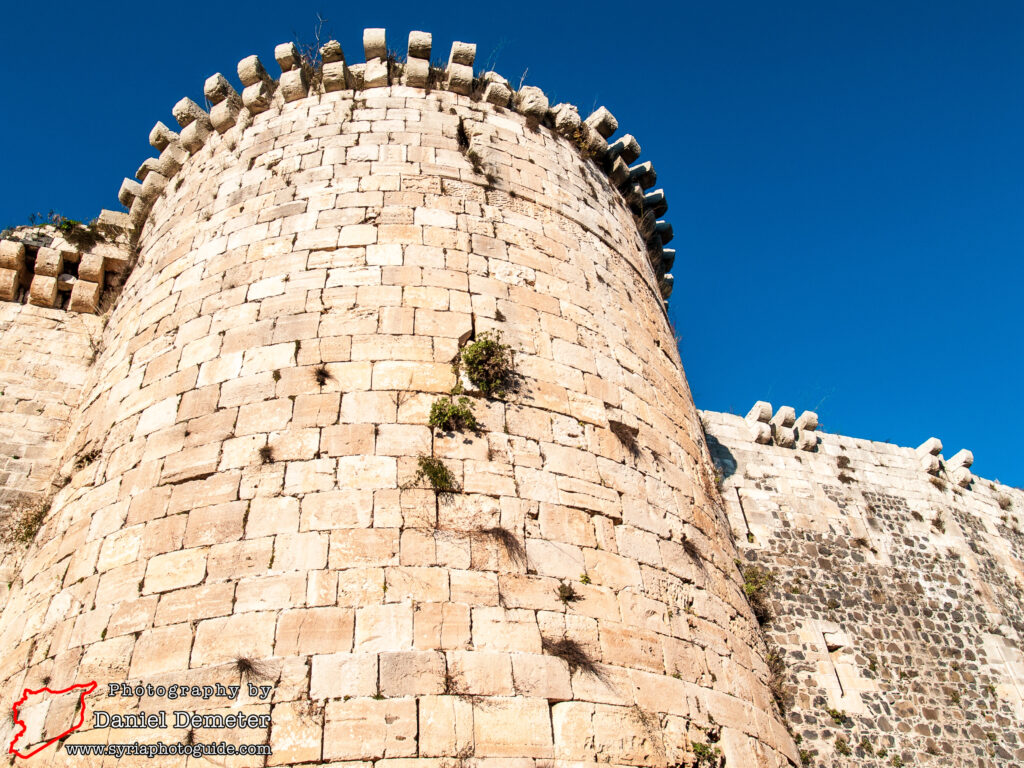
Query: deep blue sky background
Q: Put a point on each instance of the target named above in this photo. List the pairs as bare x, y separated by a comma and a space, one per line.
846, 179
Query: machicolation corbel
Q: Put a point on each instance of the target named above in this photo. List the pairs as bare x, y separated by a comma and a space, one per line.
929, 452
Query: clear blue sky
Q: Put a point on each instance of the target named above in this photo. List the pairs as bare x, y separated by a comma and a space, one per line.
845, 179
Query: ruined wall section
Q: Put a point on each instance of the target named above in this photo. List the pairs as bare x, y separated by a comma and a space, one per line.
46, 358
302, 286
895, 594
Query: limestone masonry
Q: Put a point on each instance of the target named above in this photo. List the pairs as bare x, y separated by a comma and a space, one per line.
224, 467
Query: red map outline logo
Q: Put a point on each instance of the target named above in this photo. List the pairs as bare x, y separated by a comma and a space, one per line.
87, 688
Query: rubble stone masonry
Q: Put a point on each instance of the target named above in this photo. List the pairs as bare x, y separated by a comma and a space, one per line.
894, 594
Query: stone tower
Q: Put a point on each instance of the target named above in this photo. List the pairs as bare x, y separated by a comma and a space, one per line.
223, 481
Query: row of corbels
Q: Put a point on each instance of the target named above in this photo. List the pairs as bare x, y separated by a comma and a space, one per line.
231, 108
957, 466
783, 428
48, 273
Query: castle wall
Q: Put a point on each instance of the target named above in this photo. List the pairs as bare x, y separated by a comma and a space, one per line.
43, 369
239, 509
896, 596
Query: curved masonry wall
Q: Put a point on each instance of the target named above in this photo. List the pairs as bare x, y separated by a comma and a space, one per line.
351, 230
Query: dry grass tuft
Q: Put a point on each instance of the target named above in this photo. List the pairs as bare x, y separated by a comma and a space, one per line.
573, 654
507, 540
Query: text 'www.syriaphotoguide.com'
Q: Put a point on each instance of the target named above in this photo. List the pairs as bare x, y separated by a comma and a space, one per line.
159, 749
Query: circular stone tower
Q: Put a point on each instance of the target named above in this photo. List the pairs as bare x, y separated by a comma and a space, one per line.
271, 486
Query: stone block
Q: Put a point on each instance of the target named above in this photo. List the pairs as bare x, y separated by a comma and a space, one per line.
256, 98
370, 729
161, 651
932, 446
419, 45
412, 673
130, 189
785, 437
340, 675
296, 734
761, 412
446, 726
761, 433
187, 112
308, 631
513, 727
497, 93
384, 627
417, 72
462, 53
541, 676
375, 45
603, 122
12, 255
459, 79
931, 464
217, 89
784, 417
294, 85
807, 422
175, 570
331, 53
625, 148
806, 440
224, 116
532, 102
567, 120
962, 476
335, 76
43, 291
194, 135
443, 626
248, 635
49, 262
962, 458
251, 71
160, 137
10, 282
375, 74
287, 56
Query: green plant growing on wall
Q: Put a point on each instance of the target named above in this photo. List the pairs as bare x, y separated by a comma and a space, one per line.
437, 474
489, 365
1004, 502
776, 676
756, 582
838, 716
449, 415
843, 746
567, 593
866, 747
705, 754
29, 516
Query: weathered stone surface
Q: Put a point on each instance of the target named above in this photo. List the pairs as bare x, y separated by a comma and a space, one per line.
241, 444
